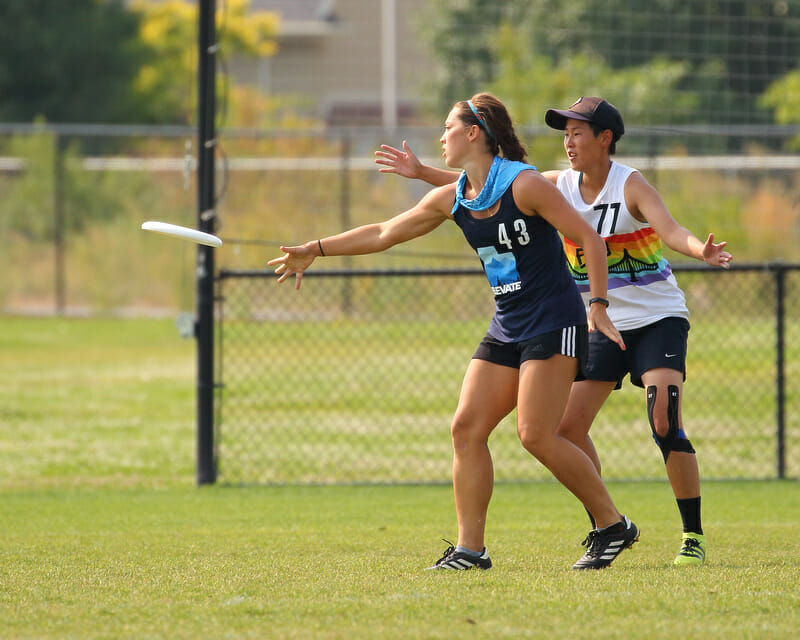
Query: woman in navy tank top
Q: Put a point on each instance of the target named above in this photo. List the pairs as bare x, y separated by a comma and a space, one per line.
536, 340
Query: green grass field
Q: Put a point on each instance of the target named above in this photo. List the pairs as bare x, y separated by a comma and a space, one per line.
104, 535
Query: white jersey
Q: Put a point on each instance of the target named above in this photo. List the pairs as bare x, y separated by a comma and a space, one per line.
641, 286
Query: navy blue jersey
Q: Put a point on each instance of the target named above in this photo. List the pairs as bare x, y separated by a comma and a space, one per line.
524, 260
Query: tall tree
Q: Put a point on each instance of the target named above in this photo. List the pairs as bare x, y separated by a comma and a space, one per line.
113, 61
461, 36
69, 61
732, 49
165, 86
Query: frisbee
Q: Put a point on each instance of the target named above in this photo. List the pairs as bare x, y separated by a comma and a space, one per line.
185, 233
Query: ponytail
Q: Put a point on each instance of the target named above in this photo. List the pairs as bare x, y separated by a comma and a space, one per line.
492, 117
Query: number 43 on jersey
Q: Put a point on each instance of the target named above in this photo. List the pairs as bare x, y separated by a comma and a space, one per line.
520, 230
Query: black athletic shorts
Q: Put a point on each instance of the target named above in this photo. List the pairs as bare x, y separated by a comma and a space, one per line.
661, 344
570, 341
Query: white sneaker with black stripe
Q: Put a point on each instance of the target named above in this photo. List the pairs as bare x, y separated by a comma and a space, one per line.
604, 545
460, 561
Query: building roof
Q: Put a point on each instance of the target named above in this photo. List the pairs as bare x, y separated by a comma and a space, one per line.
300, 18
297, 10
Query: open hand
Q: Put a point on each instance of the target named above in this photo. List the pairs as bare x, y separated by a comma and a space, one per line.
714, 255
403, 163
599, 321
295, 261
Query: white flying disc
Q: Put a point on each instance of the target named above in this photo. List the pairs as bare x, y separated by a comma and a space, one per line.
186, 233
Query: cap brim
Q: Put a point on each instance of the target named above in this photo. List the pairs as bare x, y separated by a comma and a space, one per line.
557, 118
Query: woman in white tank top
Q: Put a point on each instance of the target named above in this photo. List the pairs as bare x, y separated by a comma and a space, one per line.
645, 301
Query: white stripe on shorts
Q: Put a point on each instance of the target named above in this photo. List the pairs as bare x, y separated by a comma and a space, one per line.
568, 341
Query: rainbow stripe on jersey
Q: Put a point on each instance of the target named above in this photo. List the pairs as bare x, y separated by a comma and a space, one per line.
633, 259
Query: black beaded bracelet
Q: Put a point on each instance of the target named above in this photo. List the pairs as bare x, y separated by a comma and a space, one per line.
322, 253
602, 301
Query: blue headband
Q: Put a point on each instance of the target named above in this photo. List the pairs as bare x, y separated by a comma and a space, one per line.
480, 119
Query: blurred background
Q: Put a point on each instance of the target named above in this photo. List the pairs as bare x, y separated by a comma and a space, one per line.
98, 117
98, 133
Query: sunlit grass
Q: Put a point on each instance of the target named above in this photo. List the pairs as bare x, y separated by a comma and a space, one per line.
104, 534
347, 562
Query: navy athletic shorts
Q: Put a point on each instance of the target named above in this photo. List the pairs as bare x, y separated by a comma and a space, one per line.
658, 345
570, 341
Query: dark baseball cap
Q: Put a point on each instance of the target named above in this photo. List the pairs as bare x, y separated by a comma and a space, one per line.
594, 110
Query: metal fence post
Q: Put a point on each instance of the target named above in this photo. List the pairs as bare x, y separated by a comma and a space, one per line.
780, 374
344, 214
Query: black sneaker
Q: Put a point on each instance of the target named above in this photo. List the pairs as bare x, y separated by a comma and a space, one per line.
452, 559
606, 544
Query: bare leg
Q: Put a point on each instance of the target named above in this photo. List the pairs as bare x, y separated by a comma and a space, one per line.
683, 474
544, 388
488, 394
585, 400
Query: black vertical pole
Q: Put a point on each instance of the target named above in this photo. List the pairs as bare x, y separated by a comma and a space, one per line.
780, 382
204, 329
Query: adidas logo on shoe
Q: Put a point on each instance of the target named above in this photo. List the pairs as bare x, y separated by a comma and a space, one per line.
604, 545
461, 561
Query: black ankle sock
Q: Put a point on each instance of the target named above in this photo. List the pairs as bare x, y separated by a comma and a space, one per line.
591, 519
690, 514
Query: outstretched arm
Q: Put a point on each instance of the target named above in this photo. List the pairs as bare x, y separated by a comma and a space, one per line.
425, 216
644, 203
405, 163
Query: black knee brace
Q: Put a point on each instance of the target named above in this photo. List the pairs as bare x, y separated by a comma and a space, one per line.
676, 439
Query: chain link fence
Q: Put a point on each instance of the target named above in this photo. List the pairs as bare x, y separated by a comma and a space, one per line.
354, 378
75, 196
